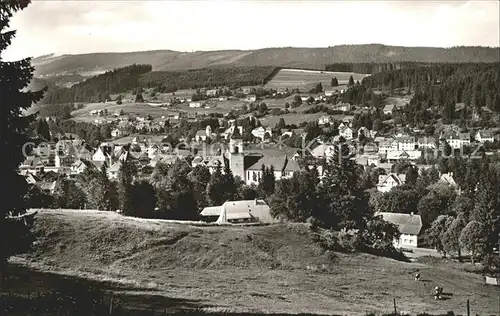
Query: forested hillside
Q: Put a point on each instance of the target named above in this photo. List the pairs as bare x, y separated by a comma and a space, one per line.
438, 88
208, 77
98, 89
315, 58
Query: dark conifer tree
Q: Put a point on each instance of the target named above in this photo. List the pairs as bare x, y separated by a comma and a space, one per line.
125, 188
14, 128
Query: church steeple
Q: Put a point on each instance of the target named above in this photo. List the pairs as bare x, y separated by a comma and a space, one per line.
236, 132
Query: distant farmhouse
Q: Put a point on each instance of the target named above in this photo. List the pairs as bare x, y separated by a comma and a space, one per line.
409, 226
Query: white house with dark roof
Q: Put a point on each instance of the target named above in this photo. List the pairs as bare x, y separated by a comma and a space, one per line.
234, 212
406, 142
399, 155
484, 136
323, 151
409, 226
283, 168
387, 182
426, 142
345, 131
456, 140
260, 132
387, 145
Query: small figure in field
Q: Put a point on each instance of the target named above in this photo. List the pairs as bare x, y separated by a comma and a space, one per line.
437, 292
417, 276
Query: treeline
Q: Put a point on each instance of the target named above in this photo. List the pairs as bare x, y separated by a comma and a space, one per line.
98, 88
168, 81
62, 111
439, 84
369, 68
92, 134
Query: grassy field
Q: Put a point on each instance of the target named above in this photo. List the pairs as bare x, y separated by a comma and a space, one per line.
268, 269
307, 79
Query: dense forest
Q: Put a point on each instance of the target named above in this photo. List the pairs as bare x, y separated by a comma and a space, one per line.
452, 92
370, 68
167, 81
98, 88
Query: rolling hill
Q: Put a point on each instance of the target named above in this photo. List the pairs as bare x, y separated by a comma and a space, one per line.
315, 58
264, 269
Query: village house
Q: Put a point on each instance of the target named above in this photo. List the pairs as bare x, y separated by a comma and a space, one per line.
388, 109
212, 162
47, 186
117, 132
325, 119
196, 104
401, 155
247, 90
484, 136
283, 168
426, 142
251, 98
323, 151
260, 132
230, 130
345, 131
387, 145
409, 226
31, 178
234, 212
456, 140
211, 93
366, 132
113, 170
204, 134
80, 166
343, 107
387, 182
32, 164
406, 142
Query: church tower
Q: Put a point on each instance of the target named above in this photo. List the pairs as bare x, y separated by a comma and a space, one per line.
236, 155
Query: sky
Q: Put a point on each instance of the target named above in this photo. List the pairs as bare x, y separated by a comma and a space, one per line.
85, 26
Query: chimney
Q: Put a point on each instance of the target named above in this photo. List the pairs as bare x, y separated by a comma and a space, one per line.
411, 214
255, 201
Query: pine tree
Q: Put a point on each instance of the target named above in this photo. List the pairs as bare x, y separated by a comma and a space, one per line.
14, 77
215, 187
267, 184
125, 188
334, 82
346, 202
230, 189
351, 81
42, 129
69, 195
487, 205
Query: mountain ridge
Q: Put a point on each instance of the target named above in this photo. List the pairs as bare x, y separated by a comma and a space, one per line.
300, 57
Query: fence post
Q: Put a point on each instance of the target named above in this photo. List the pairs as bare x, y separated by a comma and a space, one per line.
395, 309
111, 305
468, 308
